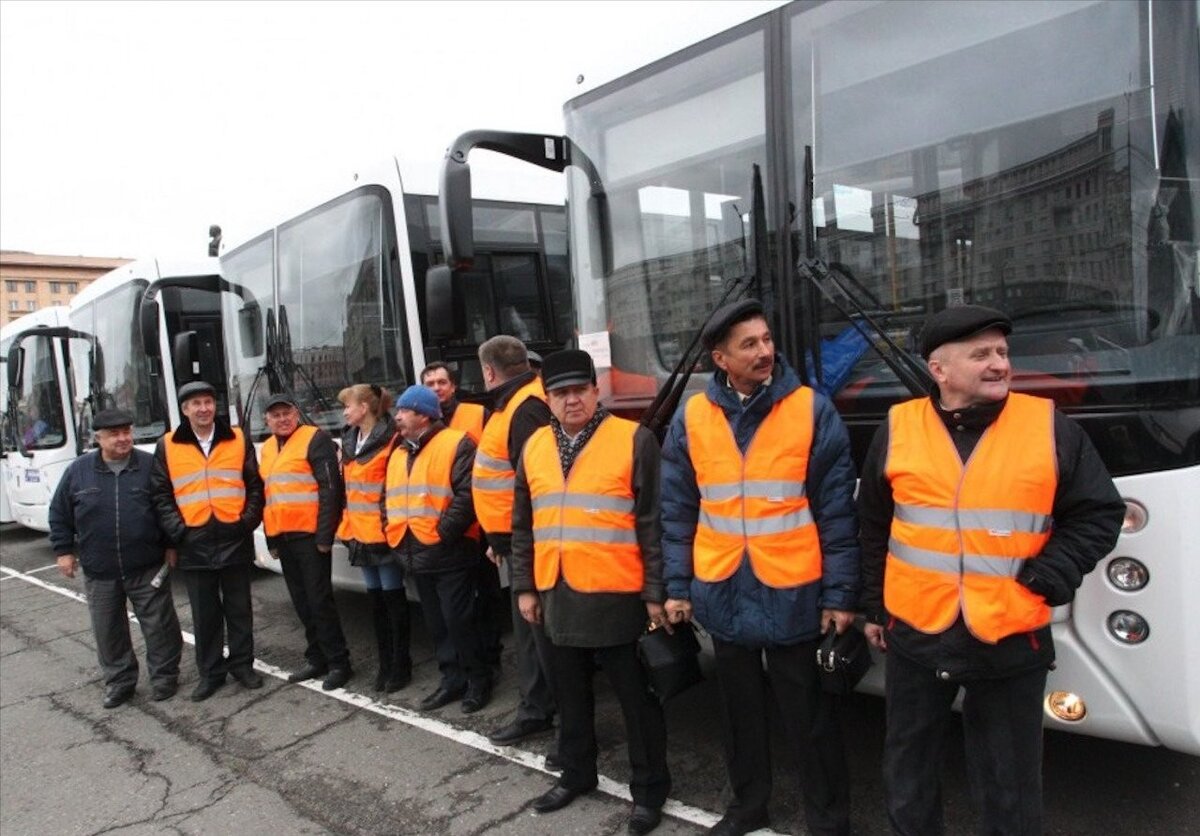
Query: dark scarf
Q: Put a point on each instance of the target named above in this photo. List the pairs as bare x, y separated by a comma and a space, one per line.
568, 452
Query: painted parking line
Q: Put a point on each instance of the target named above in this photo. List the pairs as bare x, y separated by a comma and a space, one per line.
19, 575
529, 760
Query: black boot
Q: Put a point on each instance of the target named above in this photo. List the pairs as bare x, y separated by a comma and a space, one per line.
383, 637
400, 671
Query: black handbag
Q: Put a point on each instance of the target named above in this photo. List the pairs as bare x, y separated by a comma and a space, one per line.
844, 659
672, 660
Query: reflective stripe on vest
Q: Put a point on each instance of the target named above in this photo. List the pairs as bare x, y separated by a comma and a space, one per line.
492, 477
756, 504
364, 489
418, 499
208, 486
468, 417
960, 534
291, 488
584, 528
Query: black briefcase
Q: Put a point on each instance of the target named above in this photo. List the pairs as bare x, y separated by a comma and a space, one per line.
672, 660
844, 659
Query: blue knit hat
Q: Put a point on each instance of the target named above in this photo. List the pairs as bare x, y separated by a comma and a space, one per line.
420, 399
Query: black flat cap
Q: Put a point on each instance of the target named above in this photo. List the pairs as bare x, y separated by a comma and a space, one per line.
276, 400
107, 419
569, 367
959, 323
727, 316
535, 359
196, 387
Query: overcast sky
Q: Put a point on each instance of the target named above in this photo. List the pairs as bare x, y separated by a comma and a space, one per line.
127, 128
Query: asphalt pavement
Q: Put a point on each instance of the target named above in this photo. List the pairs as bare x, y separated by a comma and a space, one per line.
295, 759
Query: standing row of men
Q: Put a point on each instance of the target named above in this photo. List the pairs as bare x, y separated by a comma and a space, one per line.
980, 510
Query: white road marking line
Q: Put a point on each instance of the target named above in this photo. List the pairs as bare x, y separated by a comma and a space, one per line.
30, 572
673, 808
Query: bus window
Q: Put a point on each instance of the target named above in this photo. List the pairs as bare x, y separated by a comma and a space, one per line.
39, 403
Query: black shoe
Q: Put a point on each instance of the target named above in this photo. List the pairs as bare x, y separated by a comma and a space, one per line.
206, 689
307, 672
734, 824
442, 696
117, 695
337, 678
519, 730
164, 691
553, 764
644, 819
556, 798
477, 697
247, 678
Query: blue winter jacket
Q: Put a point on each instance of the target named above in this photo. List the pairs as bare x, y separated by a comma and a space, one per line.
106, 519
741, 609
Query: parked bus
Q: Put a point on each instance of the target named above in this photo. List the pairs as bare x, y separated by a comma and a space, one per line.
341, 298
106, 350
1037, 157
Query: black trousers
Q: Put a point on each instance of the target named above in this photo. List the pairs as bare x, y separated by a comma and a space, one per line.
308, 573
1002, 726
155, 610
448, 604
811, 730
534, 667
220, 601
490, 601
645, 728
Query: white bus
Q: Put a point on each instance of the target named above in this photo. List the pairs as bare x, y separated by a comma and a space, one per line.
106, 350
340, 295
1037, 157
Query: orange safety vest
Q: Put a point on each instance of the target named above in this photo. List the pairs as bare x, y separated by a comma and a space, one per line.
583, 526
291, 488
756, 504
364, 490
208, 486
468, 417
960, 534
416, 500
493, 477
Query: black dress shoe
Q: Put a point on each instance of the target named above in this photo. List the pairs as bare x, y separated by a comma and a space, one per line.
519, 730
336, 678
644, 819
553, 764
307, 672
442, 696
118, 695
477, 697
556, 798
206, 689
733, 824
164, 691
247, 677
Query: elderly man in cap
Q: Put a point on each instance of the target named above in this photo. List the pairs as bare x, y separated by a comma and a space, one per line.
209, 500
305, 494
101, 517
760, 545
519, 408
981, 509
587, 563
428, 514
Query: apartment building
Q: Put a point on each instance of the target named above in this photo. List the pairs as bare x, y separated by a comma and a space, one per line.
29, 281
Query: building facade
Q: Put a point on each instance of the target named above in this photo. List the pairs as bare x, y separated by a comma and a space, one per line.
29, 281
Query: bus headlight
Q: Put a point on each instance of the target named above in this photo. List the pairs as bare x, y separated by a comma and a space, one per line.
1128, 627
1066, 706
1128, 574
1136, 517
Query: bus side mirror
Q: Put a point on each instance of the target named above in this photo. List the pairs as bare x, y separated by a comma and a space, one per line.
185, 357
16, 365
250, 328
439, 302
454, 205
148, 325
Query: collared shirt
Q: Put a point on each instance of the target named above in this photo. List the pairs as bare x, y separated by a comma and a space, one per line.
206, 443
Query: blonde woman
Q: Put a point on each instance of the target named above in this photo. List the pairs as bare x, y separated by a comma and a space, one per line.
366, 446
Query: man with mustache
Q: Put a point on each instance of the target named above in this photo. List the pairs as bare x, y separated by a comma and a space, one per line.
760, 544
981, 510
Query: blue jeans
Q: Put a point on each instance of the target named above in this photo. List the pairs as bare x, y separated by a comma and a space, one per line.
389, 576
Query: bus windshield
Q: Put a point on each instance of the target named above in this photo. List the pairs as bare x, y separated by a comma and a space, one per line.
112, 369
1035, 157
39, 420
